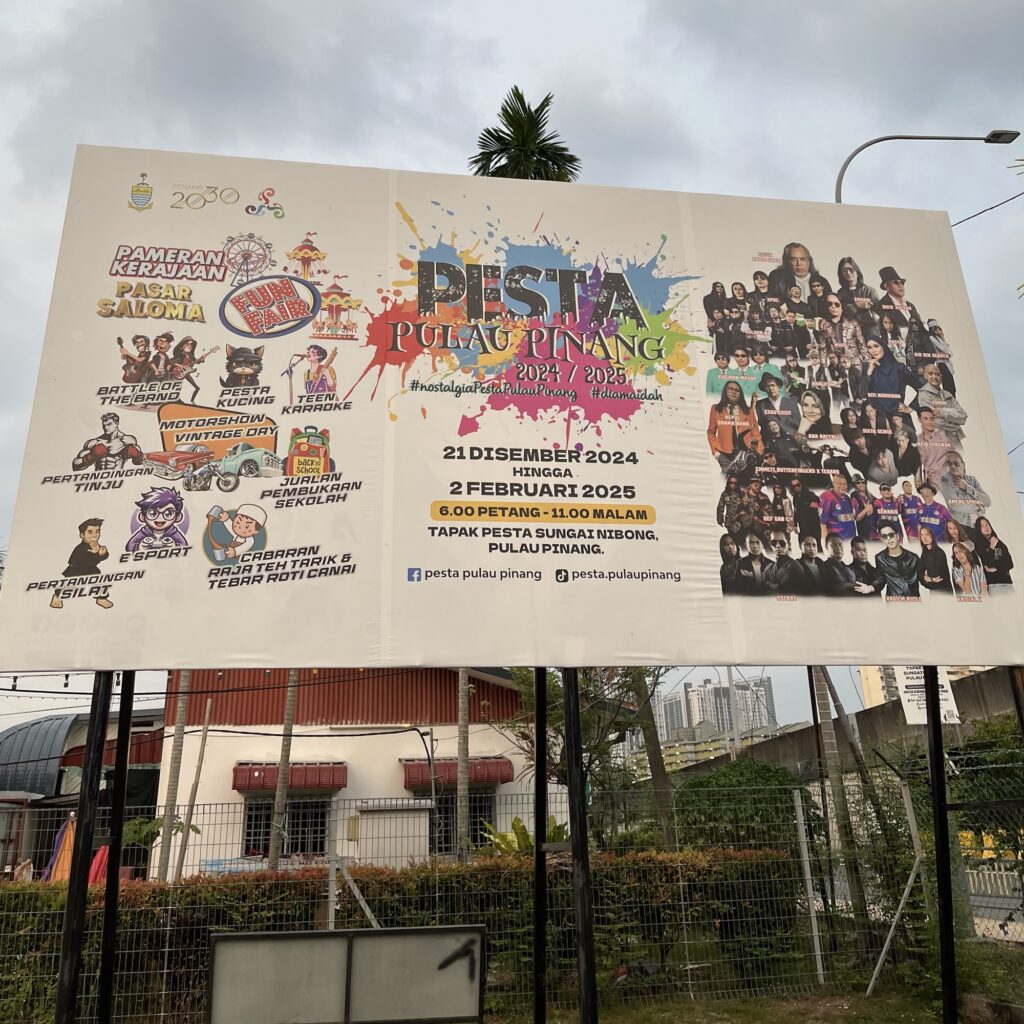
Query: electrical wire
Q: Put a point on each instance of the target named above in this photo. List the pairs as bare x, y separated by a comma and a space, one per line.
963, 220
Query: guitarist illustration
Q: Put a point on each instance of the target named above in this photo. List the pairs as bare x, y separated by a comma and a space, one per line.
160, 361
135, 368
184, 362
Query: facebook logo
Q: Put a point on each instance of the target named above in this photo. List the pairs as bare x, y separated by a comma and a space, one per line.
414, 575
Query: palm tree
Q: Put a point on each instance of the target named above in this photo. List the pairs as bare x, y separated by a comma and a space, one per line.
522, 145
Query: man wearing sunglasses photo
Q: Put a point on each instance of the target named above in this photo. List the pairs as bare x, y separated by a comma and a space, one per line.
899, 568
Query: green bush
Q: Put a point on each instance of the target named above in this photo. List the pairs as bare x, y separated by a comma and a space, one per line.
743, 902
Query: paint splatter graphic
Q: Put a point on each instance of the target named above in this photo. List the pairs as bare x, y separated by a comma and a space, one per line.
589, 346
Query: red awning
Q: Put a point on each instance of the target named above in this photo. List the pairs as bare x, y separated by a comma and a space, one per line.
145, 748
250, 775
483, 771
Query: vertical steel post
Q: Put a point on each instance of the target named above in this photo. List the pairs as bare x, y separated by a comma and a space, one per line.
1017, 689
70, 965
579, 845
108, 948
943, 873
540, 829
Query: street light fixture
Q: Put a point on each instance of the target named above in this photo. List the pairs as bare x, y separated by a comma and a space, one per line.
999, 137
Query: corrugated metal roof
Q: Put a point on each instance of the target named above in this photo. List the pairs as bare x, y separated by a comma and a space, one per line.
30, 753
418, 696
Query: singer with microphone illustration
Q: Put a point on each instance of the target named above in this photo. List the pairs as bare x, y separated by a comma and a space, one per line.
320, 378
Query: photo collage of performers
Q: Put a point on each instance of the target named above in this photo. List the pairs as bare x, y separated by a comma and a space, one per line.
843, 448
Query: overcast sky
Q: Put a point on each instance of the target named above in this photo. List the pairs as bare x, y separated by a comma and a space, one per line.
729, 98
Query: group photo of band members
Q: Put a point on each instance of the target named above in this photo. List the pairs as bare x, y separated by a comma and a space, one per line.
843, 449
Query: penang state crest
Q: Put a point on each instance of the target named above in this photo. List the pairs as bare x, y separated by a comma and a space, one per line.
270, 306
141, 195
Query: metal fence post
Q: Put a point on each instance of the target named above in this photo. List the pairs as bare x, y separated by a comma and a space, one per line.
805, 861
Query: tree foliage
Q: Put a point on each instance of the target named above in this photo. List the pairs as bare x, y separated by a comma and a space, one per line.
522, 145
607, 712
745, 803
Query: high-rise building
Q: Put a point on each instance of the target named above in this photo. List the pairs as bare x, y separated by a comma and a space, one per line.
672, 708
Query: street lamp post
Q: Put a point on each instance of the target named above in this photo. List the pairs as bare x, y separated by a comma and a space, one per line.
1000, 137
940, 808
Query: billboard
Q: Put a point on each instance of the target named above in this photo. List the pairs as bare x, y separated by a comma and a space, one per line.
293, 414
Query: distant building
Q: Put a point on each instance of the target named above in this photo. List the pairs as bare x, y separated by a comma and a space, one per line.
702, 742
878, 684
755, 704
672, 712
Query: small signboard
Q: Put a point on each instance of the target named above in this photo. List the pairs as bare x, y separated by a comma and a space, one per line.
910, 682
364, 976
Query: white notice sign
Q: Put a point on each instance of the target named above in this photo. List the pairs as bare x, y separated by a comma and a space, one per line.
910, 681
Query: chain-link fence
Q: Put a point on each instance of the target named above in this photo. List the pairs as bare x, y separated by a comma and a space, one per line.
737, 892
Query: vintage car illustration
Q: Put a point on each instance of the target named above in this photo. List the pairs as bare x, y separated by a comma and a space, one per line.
174, 464
245, 460
309, 453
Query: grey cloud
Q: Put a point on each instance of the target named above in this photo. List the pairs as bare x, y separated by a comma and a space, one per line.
718, 98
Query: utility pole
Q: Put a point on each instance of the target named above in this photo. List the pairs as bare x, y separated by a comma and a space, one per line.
277, 825
834, 771
734, 714
173, 772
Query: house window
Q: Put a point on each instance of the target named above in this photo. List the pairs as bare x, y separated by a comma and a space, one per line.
442, 832
305, 827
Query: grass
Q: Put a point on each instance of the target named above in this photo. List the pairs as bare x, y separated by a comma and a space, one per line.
994, 969
893, 1006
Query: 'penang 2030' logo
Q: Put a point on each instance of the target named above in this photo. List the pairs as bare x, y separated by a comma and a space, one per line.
269, 306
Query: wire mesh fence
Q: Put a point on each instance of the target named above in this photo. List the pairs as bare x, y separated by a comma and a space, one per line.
738, 892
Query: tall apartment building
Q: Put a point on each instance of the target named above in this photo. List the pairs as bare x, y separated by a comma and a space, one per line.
672, 709
755, 704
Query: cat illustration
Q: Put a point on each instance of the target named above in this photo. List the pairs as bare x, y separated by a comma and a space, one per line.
244, 366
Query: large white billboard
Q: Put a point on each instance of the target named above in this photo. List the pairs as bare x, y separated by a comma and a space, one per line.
292, 414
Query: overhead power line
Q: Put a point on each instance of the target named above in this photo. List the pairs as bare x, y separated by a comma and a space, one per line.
963, 220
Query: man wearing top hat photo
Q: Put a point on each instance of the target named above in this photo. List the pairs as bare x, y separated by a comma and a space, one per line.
894, 301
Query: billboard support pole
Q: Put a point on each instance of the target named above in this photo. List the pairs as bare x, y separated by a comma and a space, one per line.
540, 838
122, 759
1017, 689
70, 965
578, 844
943, 875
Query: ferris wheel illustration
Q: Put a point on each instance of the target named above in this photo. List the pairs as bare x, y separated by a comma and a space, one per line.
247, 256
